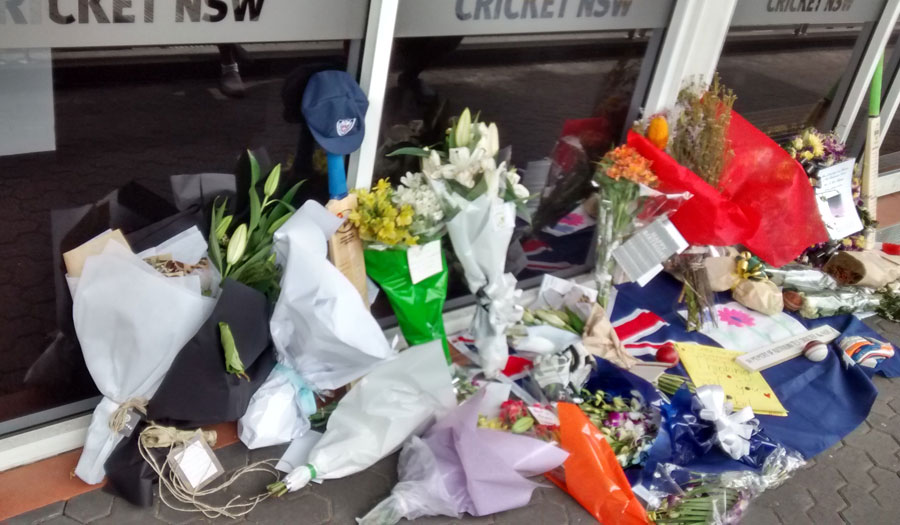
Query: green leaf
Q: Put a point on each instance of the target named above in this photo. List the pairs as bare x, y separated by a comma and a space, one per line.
233, 363
284, 203
255, 210
214, 250
412, 151
254, 170
261, 253
278, 223
575, 321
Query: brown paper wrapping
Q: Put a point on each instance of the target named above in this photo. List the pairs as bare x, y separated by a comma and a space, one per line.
763, 296
872, 269
721, 272
600, 339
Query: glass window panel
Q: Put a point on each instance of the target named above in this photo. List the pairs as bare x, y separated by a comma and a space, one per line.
538, 89
128, 115
786, 78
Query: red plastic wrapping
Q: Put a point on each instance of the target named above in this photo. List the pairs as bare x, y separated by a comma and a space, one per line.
767, 203
592, 475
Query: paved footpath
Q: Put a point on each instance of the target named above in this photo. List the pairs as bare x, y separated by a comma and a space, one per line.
855, 482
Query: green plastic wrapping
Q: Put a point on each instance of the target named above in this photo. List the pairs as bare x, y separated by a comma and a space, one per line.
419, 307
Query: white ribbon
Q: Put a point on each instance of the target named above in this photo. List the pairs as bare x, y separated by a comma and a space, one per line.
496, 312
733, 429
502, 295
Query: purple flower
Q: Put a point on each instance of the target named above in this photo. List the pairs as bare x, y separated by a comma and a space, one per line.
615, 419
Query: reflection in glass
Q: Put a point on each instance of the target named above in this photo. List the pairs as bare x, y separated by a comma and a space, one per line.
130, 115
559, 104
786, 79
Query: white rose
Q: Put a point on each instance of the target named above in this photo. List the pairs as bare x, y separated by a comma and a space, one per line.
512, 177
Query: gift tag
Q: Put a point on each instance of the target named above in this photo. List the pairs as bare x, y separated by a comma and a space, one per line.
424, 261
504, 216
195, 464
544, 416
132, 418
642, 255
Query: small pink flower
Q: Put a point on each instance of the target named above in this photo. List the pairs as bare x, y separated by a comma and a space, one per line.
735, 317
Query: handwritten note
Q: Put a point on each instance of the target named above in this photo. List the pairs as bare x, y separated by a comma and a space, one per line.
709, 365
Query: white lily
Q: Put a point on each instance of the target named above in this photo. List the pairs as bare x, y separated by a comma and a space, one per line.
466, 165
493, 139
463, 129
434, 169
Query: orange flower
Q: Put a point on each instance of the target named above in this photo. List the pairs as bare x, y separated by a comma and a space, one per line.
625, 162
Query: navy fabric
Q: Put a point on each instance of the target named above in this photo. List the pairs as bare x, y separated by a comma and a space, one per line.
825, 401
335, 110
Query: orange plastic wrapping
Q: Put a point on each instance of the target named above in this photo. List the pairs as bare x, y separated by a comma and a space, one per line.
766, 203
592, 475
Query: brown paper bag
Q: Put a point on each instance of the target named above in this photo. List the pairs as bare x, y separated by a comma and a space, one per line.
74, 259
870, 268
600, 339
763, 296
721, 272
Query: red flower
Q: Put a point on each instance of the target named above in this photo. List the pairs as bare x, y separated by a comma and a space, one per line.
511, 411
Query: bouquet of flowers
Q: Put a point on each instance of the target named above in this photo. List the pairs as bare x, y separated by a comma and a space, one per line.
514, 417
619, 178
480, 197
401, 229
815, 150
628, 425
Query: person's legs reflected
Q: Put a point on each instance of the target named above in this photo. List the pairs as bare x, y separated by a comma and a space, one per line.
230, 82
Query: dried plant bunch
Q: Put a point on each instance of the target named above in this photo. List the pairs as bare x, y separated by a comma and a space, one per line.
700, 141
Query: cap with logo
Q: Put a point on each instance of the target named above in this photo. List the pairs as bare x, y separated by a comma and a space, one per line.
335, 110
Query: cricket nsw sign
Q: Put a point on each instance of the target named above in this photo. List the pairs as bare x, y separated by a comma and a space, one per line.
498, 17
103, 23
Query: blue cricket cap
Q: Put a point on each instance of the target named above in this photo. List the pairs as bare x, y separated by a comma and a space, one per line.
335, 110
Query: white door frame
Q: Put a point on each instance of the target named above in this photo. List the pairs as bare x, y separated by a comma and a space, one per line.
373, 78
691, 49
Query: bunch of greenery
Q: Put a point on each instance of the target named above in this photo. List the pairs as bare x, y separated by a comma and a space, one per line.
700, 142
244, 253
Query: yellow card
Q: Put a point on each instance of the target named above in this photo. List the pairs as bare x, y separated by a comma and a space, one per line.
710, 365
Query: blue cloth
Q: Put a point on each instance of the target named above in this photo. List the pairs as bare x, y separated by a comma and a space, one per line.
825, 401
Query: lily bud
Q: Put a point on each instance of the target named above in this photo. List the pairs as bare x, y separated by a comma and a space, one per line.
463, 129
237, 245
222, 227
272, 181
493, 139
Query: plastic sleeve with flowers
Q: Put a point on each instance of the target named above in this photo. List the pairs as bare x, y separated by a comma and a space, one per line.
483, 197
481, 233
391, 222
619, 178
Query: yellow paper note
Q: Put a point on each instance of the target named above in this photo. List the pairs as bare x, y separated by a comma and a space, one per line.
710, 365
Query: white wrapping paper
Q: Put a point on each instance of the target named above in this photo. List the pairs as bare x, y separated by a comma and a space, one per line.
278, 412
131, 322
480, 234
397, 399
319, 326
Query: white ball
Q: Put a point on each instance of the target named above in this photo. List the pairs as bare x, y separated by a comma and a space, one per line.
816, 351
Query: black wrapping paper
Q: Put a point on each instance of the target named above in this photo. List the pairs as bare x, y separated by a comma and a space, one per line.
197, 390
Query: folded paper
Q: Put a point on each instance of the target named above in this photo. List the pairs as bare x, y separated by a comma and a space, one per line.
319, 326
